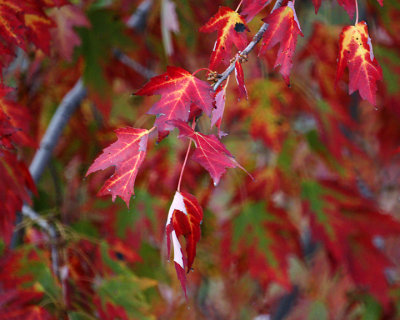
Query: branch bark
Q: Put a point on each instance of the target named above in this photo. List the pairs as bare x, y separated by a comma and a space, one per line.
57, 124
51, 231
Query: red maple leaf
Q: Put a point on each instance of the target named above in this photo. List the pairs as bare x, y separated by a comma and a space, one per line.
230, 26
179, 89
210, 152
250, 8
6, 130
22, 22
348, 5
184, 218
218, 112
38, 29
355, 51
240, 79
18, 299
16, 118
317, 4
14, 185
126, 154
284, 28
348, 225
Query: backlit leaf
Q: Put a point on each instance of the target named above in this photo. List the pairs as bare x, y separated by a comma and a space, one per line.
179, 89
231, 29
284, 28
240, 79
210, 152
126, 154
184, 218
250, 8
357, 54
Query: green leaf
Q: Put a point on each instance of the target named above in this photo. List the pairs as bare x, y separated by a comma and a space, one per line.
372, 309
313, 192
318, 311
106, 32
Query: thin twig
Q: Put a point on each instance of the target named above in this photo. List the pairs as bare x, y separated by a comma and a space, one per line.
256, 39
138, 19
185, 161
134, 65
356, 12
57, 124
183, 166
51, 231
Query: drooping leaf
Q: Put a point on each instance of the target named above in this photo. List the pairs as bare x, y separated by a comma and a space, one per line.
240, 79
231, 29
184, 218
349, 6
218, 112
126, 154
14, 185
284, 28
179, 89
14, 121
210, 152
355, 52
250, 8
317, 5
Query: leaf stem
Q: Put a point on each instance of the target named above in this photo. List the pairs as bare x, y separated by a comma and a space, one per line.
356, 12
151, 129
240, 3
178, 188
201, 69
256, 39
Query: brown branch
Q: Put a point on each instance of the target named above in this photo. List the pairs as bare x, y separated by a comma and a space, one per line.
256, 39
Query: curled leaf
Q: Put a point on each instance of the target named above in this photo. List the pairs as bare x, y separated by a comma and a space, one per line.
184, 218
